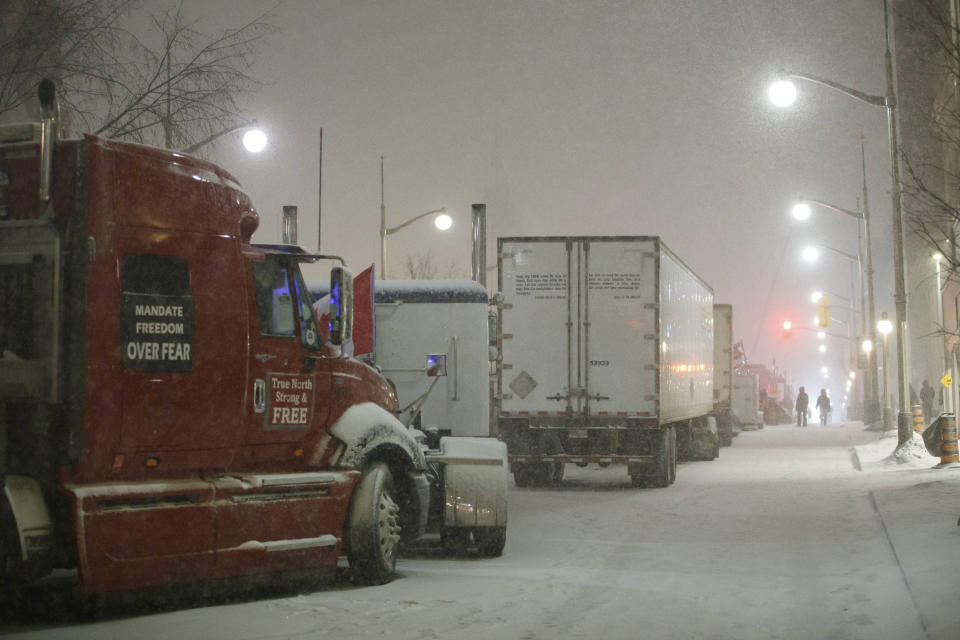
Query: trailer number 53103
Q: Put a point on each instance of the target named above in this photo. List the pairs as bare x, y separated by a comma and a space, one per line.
599, 363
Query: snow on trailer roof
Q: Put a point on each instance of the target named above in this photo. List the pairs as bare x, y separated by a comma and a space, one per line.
462, 290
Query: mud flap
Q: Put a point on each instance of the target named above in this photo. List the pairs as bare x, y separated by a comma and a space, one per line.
34, 526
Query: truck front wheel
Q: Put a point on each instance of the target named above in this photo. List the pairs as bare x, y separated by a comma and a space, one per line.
373, 532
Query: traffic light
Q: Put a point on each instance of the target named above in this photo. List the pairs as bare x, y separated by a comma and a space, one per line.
787, 329
823, 312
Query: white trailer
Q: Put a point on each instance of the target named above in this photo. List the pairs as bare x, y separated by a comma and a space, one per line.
606, 356
745, 401
415, 318
723, 371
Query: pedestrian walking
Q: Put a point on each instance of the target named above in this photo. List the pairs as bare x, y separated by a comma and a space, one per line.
926, 399
802, 400
823, 404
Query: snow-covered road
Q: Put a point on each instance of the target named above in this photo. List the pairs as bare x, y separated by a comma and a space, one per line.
778, 538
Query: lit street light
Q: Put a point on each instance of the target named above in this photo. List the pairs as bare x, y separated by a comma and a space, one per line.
782, 93
254, 141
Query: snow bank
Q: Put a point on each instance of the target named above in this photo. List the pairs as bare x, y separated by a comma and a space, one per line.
884, 452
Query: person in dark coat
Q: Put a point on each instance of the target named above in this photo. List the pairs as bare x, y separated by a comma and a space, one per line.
823, 404
802, 400
926, 399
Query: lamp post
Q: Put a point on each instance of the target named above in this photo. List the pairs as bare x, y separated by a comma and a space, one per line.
884, 326
442, 222
783, 93
948, 393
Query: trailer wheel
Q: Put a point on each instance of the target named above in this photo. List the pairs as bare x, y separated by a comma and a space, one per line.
657, 473
373, 532
533, 474
455, 540
557, 472
490, 541
521, 474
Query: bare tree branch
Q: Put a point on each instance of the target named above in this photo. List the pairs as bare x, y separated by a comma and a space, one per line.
120, 84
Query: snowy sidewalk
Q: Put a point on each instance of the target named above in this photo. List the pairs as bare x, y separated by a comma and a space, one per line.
919, 507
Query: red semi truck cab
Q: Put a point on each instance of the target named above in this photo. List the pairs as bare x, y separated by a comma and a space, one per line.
169, 408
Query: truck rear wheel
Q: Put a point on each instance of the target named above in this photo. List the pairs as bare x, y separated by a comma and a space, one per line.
658, 472
490, 540
534, 474
556, 476
373, 527
455, 540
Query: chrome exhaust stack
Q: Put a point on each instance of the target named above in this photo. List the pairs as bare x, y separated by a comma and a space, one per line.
50, 114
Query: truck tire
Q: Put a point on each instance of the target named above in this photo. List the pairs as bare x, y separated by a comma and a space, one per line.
490, 541
659, 471
373, 527
521, 474
533, 474
556, 477
455, 540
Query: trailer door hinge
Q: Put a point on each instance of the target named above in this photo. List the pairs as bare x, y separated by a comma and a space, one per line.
650, 367
506, 336
651, 397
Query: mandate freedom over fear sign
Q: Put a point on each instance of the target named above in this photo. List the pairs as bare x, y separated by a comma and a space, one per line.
157, 333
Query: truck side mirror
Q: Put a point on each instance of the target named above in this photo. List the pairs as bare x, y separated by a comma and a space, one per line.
436, 364
341, 305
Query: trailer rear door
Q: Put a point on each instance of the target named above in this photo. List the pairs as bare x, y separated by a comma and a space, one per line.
579, 326
618, 320
537, 325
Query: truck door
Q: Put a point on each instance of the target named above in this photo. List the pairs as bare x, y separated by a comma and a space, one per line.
281, 510
290, 382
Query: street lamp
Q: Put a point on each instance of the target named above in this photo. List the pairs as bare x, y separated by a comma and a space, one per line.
442, 222
782, 95
884, 326
254, 141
